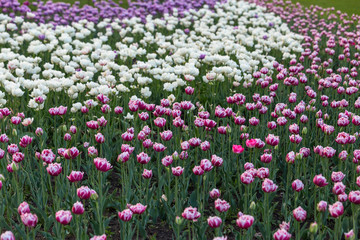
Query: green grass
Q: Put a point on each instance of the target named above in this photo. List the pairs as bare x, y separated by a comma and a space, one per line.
348, 6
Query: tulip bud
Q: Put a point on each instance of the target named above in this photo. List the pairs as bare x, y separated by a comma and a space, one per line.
14, 166
243, 128
228, 129
276, 147
14, 132
94, 196
313, 227
175, 156
58, 159
179, 220
252, 205
304, 131
64, 128
299, 156
163, 198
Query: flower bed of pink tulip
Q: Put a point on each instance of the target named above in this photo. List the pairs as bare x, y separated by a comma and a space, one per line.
247, 129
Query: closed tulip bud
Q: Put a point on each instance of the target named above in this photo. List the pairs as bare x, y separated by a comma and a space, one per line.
14, 166
313, 227
14, 132
94, 195
179, 220
64, 128
349, 235
304, 131
252, 205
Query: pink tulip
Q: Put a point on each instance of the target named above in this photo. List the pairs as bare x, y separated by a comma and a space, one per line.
47, 156
147, 174
143, 158
337, 176
23, 208
354, 197
237, 149
214, 222
63, 217
322, 205
251, 143
167, 161
299, 214
282, 234
84, 192
75, 176
29, 220
206, 165
78, 208
197, 170
215, 193
297, 185
320, 181
102, 164
221, 205
54, 169
191, 213
7, 236
262, 173
125, 215
99, 138
269, 186
216, 160
137, 208
336, 210
102, 237
177, 171
245, 221
247, 177
339, 188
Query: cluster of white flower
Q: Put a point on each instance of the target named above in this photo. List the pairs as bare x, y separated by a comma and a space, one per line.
227, 44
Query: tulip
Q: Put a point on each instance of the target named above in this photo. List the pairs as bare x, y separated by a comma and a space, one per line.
125, 215
78, 208
63, 217
23, 208
214, 222
191, 213
336, 210
237, 149
29, 220
138, 208
102, 164
221, 205
282, 234
299, 214
8, 235
84, 192
245, 221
